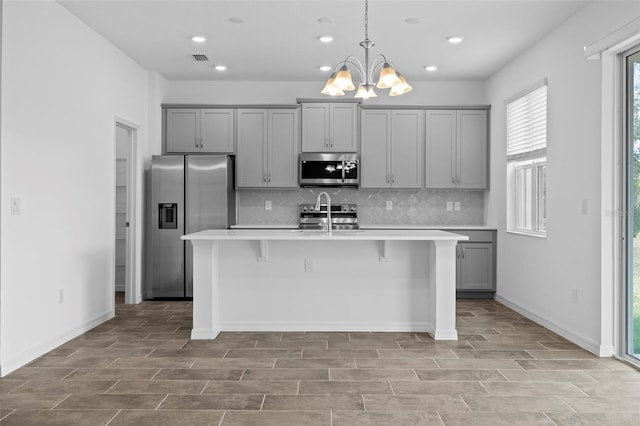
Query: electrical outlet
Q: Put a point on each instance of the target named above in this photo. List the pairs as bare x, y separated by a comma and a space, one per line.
574, 295
267, 205
15, 207
61, 296
308, 264
456, 206
449, 206
389, 205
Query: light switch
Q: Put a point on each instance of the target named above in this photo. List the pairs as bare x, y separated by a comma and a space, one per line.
456, 206
267, 205
15, 207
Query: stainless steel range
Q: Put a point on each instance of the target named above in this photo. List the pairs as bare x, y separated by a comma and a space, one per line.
343, 216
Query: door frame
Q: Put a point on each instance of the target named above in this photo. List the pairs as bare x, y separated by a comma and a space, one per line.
627, 273
133, 280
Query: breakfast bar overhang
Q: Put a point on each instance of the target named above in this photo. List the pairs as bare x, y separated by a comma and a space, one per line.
297, 280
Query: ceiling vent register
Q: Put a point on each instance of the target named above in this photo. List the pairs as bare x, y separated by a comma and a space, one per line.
200, 57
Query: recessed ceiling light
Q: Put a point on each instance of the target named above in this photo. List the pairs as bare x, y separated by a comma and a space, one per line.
199, 39
412, 20
325, 68
324, 20
455, 39
236, 20
325, 39
431, 68
221, 68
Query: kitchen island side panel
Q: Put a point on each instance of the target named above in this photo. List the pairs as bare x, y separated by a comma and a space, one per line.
349, 287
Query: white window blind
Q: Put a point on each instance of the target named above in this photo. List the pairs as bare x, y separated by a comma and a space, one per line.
527, 125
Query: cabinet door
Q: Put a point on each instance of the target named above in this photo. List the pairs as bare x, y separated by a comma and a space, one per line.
315, 127
217, 130
407, 141
476, 266
183, 130
472, 149
343, 125
440, 152
252, 141
283, 151
374, 154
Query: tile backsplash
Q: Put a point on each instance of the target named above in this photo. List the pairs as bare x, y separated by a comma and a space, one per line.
419, 207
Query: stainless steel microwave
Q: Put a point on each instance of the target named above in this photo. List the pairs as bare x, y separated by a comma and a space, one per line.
329, 169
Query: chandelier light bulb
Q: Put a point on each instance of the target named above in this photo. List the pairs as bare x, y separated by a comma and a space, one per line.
401, 87
387, 77
343, 79
365, 93
330, 88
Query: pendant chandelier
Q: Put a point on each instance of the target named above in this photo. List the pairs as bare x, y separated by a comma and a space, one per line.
341, 81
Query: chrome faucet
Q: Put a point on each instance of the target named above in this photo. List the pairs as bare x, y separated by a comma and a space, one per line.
317, 208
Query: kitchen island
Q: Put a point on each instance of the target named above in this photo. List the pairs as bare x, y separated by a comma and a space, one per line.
297, 280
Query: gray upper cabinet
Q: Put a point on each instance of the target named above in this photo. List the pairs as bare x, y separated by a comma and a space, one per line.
456, 154
268, 148
391, 148
329, 127
191, 130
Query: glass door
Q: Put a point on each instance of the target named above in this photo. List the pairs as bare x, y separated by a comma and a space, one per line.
632, 141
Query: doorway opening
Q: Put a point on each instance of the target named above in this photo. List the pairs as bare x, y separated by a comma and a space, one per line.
126, 281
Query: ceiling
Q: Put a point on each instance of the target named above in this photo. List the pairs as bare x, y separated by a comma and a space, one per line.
278, 40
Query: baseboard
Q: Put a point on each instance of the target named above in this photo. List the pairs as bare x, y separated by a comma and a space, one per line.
327, 326
32, 353
583, 342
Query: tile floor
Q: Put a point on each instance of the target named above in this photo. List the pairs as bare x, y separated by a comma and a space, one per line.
140, 369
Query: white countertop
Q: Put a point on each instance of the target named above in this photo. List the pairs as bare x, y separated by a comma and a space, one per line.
377, 227
296, 234
445, 227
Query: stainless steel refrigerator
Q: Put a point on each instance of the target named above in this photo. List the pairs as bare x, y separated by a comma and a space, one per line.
189, 193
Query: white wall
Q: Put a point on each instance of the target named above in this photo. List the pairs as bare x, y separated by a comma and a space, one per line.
273, 92
537, 276
62, 88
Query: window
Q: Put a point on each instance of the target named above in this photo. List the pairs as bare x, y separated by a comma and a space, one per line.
527, 161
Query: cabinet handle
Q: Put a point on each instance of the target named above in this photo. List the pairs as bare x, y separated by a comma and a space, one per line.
269, 178
462, 250
387, 178
393, 178
326, 142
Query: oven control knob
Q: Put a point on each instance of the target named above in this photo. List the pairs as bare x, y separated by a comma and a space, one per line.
353, 209
304, 209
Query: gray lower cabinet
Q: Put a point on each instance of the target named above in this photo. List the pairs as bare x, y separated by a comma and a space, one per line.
475, 264
268, 148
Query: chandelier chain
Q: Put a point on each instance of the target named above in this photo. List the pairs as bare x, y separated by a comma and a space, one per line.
366, 19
